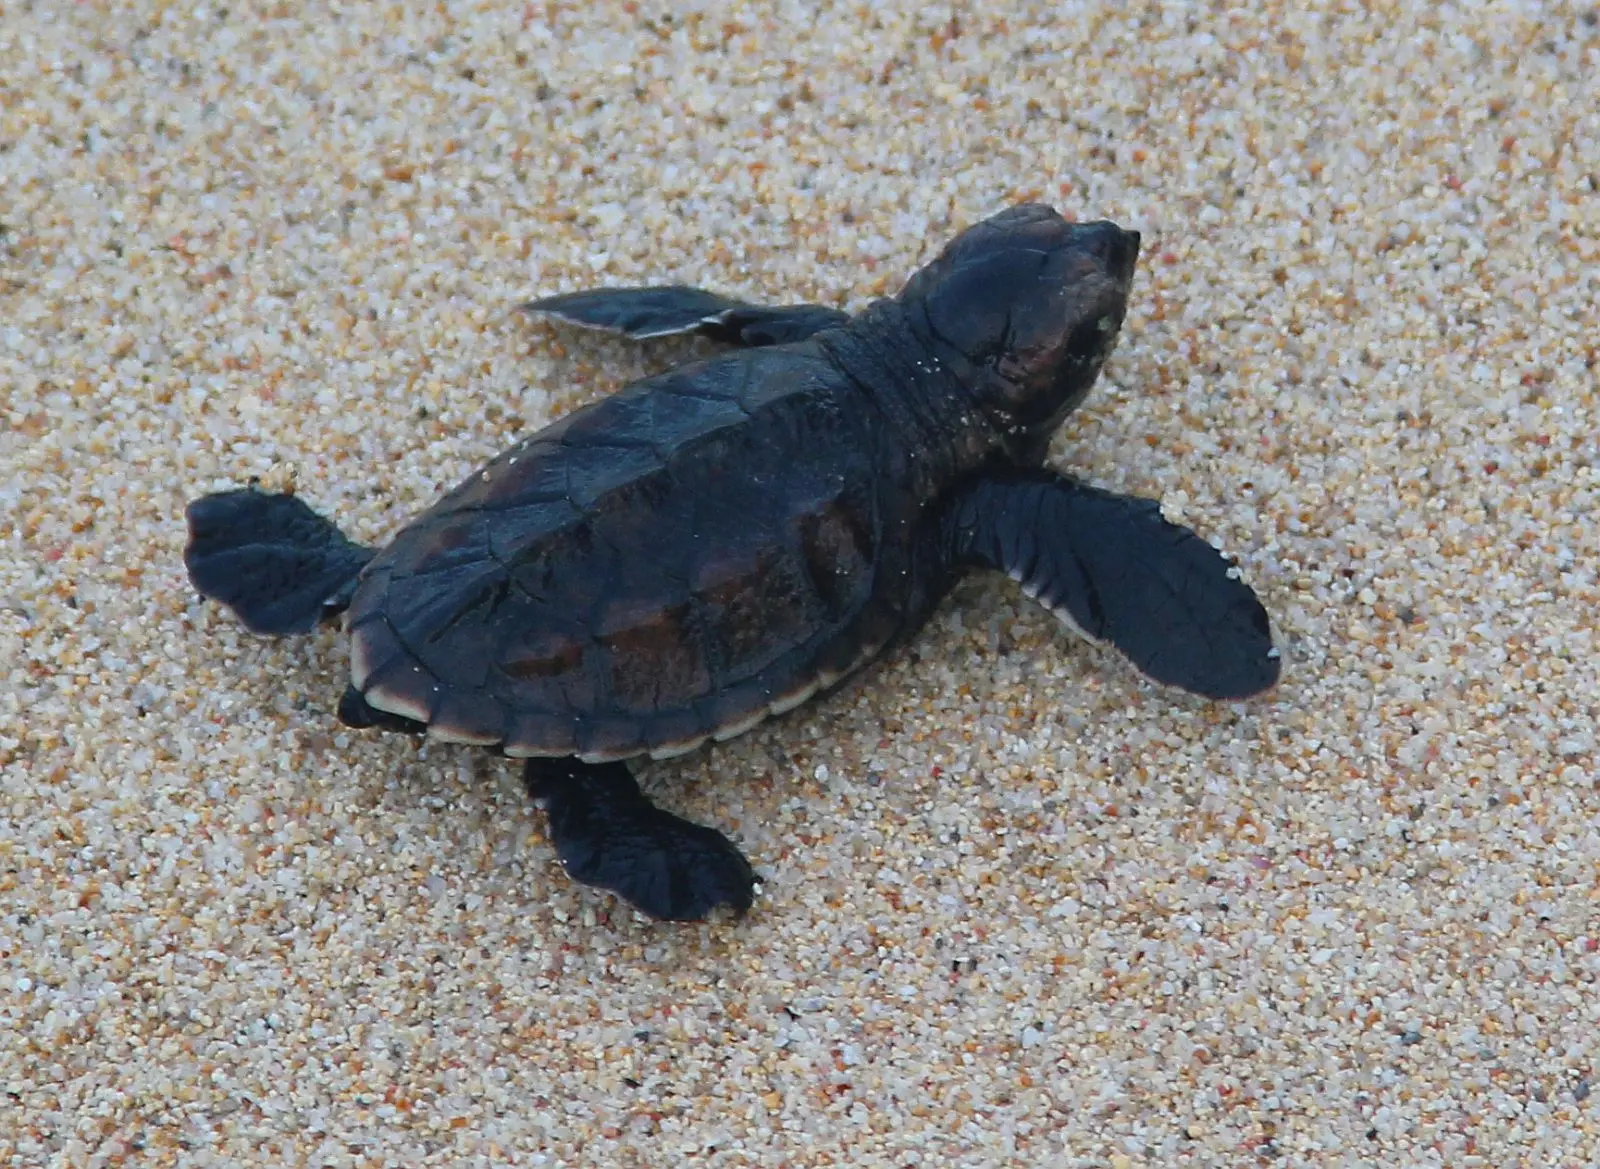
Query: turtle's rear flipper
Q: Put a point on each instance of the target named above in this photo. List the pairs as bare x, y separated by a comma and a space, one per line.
609, 835
642, 313
271, 559
1113, 568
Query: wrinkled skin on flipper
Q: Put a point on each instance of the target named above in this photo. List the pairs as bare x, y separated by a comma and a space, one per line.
609, 835
669, 310
1120, 573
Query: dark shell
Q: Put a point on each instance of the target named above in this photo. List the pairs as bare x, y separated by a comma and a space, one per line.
669, 564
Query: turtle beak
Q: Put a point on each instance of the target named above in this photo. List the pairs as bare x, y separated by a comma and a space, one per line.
1116, 249
1126, 255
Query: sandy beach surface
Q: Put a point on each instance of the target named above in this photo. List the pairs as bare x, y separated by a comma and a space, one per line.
1021, 906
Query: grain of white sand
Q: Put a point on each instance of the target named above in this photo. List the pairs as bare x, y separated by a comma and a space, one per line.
1021, 906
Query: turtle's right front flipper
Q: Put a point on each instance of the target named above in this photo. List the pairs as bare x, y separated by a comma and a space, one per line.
642, 313
1111, 566
271, 559
609, 835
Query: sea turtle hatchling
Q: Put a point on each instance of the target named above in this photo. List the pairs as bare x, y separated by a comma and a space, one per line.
721, 541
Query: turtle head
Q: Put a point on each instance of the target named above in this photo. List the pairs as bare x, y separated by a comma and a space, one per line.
1025, 308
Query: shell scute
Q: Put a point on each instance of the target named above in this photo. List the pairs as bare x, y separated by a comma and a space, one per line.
838, 546
654, 652
541, 653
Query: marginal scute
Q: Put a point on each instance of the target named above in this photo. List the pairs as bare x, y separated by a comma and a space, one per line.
608, 755
826, 678
405, 689
673, 750
360, 657
374, 649
476, 719
681, 728
738, 727
541, 734
449, 734
607, 740
793, 699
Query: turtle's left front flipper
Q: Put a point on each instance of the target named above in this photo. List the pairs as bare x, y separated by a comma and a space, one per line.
1114, 568
642, 313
